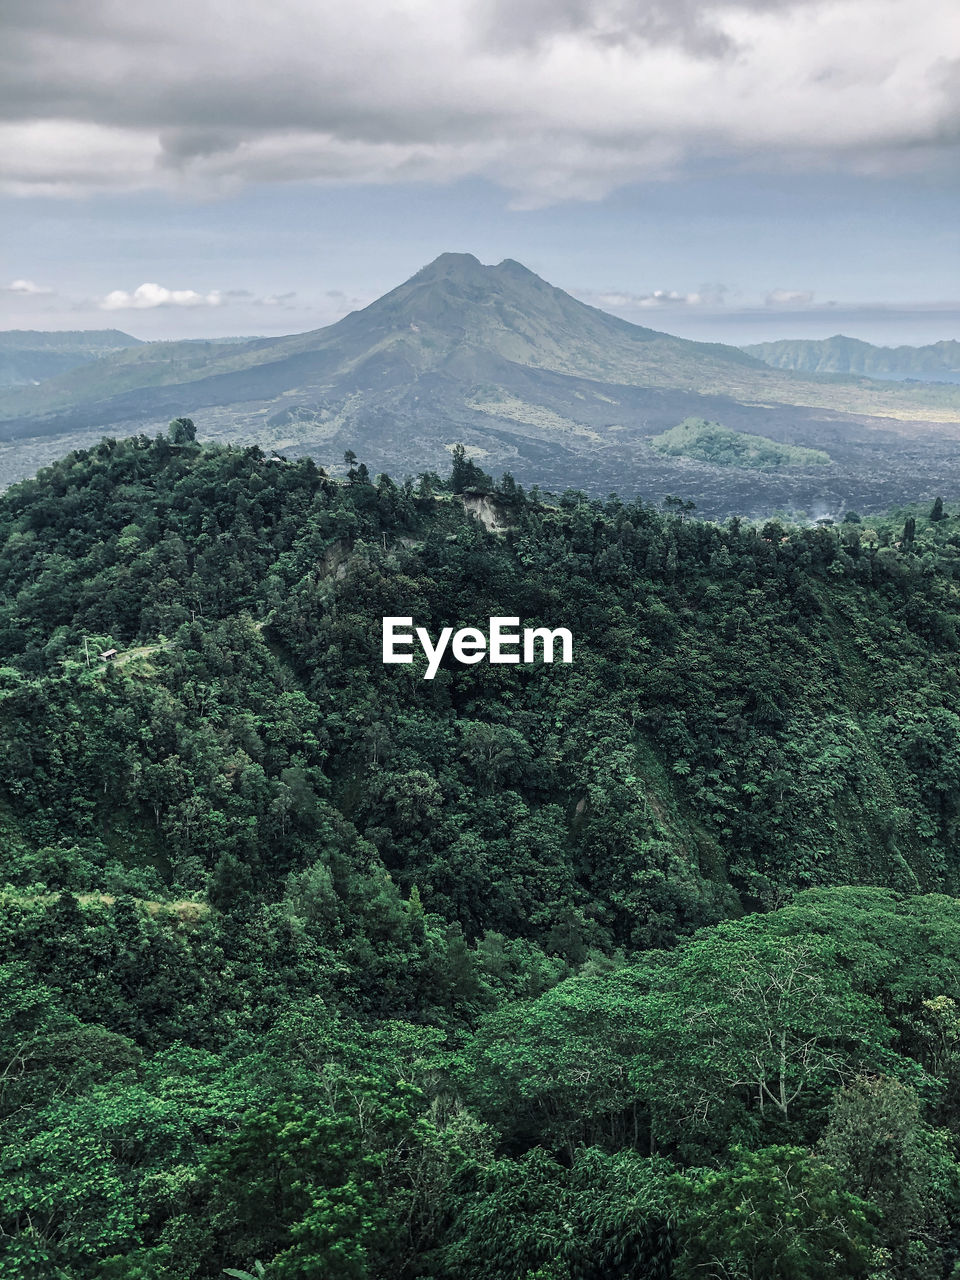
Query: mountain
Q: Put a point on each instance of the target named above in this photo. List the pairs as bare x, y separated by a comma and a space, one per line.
528, 378
28, 356
938, 362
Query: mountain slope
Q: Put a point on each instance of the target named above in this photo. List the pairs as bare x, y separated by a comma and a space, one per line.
307, 959
28, 356
531, 379
938, 362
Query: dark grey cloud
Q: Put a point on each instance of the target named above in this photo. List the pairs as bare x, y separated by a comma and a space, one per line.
553, 99
692, 24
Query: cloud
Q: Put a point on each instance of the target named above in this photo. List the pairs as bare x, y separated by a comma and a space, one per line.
344, 303
552, 99
659, 298
67, 157
27, 288
696, 25
147, 296
707, 295
789, 298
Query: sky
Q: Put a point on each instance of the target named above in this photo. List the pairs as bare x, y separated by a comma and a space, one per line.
735, 172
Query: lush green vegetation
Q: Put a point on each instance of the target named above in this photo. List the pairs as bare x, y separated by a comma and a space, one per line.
647, 966
711, 442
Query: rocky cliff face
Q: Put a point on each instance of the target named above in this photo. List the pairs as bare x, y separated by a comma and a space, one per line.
492, 515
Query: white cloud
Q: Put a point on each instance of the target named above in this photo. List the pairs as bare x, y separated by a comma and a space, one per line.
553, 99
147, 296
707, 295
659, 298
58, 157
27, 288
789, 298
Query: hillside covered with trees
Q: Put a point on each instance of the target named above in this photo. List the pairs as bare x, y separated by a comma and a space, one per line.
642, 966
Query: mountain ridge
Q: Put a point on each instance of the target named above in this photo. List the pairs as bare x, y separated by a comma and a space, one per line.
937, 361
30, 356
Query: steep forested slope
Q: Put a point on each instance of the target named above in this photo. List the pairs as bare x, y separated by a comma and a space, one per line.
313, 963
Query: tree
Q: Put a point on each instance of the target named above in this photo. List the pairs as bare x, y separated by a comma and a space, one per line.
749, 1022
878, 1142
465, 474
182, 431
231, 882
937, 512
599, 1217
779, 1213
682, 507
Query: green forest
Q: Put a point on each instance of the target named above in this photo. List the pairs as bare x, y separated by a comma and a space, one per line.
645, 967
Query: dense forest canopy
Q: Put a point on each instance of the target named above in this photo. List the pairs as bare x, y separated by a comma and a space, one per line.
643, 966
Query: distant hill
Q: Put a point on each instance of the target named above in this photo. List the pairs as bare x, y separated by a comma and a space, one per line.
938, 362
531, 380
29, 356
